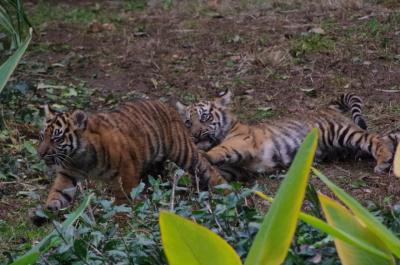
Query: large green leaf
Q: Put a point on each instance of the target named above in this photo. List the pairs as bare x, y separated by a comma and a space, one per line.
364, 216
335, 232
52, 239
8, 66
6, 22
276, 232
187, 243
13, 20
30, 258
338, 216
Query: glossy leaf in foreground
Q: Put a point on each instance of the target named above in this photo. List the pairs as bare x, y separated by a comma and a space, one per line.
338, 216
364, 216
8, 66
335, 231
276, 232
188, 243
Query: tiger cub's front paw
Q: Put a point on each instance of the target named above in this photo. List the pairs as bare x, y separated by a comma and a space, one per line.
383, 168
214, 159
53, 205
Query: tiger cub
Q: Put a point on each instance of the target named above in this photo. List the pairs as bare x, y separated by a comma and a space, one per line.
118, 147
266, 146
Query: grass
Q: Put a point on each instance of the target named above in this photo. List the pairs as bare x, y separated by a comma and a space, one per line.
135, 5
309, 43
17, 232
248, 111
45, 12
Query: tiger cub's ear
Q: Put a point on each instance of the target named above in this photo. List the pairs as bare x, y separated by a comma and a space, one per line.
48, 112
224, 98
79, 119
180, 107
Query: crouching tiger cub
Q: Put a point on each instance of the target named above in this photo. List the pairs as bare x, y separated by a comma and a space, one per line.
119, 147
263, 147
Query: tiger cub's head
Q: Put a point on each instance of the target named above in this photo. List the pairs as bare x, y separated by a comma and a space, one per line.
208, 121
59, 138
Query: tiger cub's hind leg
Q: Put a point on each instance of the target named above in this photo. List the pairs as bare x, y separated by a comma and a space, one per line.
123, 182
356, 139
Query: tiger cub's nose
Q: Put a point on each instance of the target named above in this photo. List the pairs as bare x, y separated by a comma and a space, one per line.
41, 151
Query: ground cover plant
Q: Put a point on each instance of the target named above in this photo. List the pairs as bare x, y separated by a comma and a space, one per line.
278, 57
360, 238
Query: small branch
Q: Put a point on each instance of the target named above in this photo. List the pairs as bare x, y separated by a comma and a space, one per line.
215, 218
174, 183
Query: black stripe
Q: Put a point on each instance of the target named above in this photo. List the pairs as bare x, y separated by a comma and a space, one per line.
358, 141
342, 136
331, 133
350, 137
322, 131
105, 120
238, 154
223, 118
66, 196
275, 158
186, 151
369, 146
63, 119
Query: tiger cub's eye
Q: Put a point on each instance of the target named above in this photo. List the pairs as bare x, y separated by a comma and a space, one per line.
188, 123
205, 117
58, 140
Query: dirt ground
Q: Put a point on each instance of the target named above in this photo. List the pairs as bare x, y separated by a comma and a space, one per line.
267, 54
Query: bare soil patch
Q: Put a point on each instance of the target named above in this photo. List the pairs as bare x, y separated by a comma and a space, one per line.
265, 55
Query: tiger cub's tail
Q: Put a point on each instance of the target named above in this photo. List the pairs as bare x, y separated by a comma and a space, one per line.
353, 103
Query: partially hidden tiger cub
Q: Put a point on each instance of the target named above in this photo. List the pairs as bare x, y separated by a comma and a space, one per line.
118, 147
232, 144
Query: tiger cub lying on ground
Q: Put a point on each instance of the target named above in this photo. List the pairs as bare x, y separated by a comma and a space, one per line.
118, 147
234, 145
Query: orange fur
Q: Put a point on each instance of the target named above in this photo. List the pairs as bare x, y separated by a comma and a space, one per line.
119, 147
266, 146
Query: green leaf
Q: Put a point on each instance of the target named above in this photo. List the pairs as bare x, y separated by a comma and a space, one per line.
81, 248
334, 231
29, 147
187, 243
53, 239
8, 66
338, 216
27, 259
6, 22
137, 190
364, 216
276, 232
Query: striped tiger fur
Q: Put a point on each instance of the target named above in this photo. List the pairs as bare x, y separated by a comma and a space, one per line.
351, 102
119, 147
266, 146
